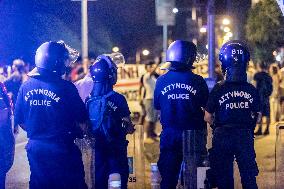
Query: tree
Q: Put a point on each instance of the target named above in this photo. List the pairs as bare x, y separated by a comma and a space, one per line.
264, 29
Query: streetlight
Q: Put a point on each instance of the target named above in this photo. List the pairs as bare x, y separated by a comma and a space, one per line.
203, 29
226, 21
145, 52
229, 34
115, 49
226, 38
175, 10
227, 29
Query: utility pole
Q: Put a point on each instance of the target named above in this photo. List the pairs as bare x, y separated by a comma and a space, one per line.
165, 17
211, 38
84, 31
194, 18
165, 41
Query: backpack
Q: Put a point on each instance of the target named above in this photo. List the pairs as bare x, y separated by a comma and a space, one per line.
100, 113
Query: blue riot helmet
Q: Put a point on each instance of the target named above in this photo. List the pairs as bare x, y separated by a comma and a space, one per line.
104, 69
181, 55
55, 57
234, 56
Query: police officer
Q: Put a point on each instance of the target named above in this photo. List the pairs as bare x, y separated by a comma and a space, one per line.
110, 118
7, 141
49, 109
235, 104
179, 95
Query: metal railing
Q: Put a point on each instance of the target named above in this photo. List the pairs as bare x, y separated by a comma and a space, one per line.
279, 155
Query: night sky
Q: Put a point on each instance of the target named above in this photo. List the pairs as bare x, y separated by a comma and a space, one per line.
129, 24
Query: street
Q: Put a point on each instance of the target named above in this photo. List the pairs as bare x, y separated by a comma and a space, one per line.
18, 176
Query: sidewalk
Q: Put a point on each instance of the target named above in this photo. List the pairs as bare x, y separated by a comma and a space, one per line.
265, 155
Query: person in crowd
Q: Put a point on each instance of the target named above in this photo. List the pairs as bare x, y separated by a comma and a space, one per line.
218, 73
274, 98
180, 95
51, 111
232, 111
7, 141
2, 76
264, 87
148, 82
17, 77
250, 72
110, 123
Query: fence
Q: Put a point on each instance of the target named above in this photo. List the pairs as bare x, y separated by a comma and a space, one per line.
279, 156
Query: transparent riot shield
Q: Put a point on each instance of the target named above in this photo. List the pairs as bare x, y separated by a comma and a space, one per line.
86, 150
194, 159
136, 160
189, 160
279, 156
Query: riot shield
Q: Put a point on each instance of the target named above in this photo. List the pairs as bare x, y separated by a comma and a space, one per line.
136, 160
279, 156
194, 159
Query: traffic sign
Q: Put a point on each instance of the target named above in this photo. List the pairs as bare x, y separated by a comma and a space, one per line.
164, 12
281, 5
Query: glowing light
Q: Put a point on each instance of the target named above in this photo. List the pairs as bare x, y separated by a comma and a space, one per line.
274, 53
227, 29
145, 52
115, 49
226, 21
175, 10
203, 29
226, 38
207, 46
278, 58
229, 34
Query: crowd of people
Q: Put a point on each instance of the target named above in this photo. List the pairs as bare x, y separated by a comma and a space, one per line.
269, 81
55, 110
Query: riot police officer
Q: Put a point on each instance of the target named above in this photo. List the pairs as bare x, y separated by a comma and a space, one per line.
50, 110
7, 141
110, 123
235, 105
179, 95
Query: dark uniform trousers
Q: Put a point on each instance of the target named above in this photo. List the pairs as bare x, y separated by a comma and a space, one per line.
230, 143
108, 159
171, 155
7, 149
55, 164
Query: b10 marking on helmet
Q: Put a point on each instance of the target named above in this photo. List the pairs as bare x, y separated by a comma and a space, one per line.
237, 51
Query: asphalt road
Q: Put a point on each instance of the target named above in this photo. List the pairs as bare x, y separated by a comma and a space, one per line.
18, 176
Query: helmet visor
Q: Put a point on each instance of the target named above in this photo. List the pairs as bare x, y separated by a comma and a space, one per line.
72, 55
117, 59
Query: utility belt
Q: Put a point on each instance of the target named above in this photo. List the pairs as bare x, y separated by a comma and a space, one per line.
233, 126
57, 140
